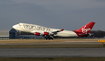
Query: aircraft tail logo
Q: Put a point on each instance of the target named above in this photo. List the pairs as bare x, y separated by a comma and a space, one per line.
87, 28
84, 30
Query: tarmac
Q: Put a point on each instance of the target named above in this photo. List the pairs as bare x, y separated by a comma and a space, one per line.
52, 52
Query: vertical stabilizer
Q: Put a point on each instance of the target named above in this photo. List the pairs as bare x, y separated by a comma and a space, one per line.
86, 29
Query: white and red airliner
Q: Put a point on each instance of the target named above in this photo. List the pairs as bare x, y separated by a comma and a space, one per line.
50, 33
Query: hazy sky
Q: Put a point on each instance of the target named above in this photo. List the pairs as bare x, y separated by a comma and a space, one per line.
61, 14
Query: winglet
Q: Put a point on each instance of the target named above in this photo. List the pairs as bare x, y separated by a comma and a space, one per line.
61, 29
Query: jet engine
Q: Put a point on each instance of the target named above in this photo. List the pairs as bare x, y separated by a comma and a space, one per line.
46, 33
37, 33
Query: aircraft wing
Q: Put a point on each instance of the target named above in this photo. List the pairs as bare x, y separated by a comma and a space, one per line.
51, 34
57, 31
47, 35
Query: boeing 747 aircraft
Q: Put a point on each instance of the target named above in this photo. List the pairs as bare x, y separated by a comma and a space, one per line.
50, 33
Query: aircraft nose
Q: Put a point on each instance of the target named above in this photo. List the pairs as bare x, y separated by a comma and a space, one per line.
14, 26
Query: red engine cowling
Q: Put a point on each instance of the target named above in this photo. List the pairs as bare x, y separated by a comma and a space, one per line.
37, 34
46, 33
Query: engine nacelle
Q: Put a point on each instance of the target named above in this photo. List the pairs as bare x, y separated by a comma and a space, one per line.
37, 33
46, 33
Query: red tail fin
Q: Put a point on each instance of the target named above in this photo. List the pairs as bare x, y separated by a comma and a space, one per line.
87, 28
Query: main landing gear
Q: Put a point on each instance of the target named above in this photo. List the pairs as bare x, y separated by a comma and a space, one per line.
48, 37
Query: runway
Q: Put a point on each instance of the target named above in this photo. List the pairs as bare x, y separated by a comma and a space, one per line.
56, 41
45, 43
52, 52
7, 50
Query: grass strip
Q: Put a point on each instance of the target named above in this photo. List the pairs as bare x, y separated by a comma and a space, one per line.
54, 46
54, 59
